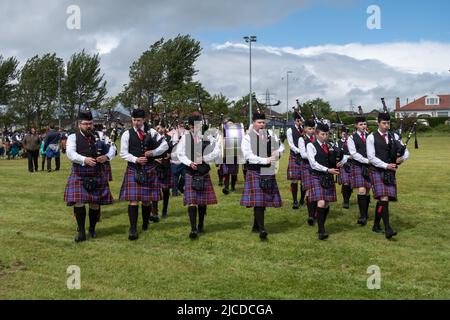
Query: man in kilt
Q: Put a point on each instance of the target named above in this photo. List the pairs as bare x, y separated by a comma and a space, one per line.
140, 182
322, 188
305, 168
88, 182
293, 135
344, 178
261, 149
359, 178
164, 167
195, 151
229, 168
383, 153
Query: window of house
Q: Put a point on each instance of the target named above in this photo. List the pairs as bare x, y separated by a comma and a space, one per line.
432, 101
442, 114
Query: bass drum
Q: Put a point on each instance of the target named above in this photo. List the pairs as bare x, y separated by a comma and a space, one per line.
231, 143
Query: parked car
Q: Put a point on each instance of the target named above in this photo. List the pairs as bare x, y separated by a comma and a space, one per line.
423, 122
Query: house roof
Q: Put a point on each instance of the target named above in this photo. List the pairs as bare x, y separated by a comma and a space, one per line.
419, 104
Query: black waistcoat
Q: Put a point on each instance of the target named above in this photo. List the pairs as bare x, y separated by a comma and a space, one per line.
384, 152
360, 145
296, 134
321, 156
135, 145
85, 146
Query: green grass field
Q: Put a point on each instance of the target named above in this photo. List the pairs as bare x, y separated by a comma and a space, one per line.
228, 261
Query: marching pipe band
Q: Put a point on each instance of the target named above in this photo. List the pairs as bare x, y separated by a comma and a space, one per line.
164, 155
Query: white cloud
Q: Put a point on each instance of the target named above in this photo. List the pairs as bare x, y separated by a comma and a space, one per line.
120, 32
361, 73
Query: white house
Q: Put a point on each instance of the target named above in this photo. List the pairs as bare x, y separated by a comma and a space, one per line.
425, 107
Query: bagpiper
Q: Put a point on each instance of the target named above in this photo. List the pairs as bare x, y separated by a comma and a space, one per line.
261, 149
305, 169
88, 182
195, 151
383, 154
322, 188
229, 168
140, 182
295, 160
163, 168
359, 178
344, 178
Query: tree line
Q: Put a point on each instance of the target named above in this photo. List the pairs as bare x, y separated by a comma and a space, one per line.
161, 80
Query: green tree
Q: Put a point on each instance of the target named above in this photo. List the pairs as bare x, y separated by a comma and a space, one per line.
83, 84
165, 71
8, 74
322, 108
37, 90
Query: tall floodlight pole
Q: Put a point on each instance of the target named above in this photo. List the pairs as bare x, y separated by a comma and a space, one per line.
249, 40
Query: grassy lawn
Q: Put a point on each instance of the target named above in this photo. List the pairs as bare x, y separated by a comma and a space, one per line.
228, 261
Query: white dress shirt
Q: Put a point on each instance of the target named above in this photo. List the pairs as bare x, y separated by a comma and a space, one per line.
352, 149
252, 158
182, 148
311, 150
125, 140
75, 157
290, 140
302, 147
377, 162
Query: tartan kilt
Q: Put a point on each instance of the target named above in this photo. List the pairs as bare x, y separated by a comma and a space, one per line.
380, 189
167, 182
305, 176
205, 197
132, 191
344, 177
108, 171
293, 170
317, 192
356, 178
75, 192
254, 196
232, 169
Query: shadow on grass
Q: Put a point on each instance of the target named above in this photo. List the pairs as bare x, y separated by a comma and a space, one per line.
115, 230
282, 226
218, 227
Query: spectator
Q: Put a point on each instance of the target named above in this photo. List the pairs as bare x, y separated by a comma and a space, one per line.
42, 150
31, 143
52, 148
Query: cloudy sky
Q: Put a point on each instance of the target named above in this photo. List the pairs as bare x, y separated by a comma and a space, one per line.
325, 43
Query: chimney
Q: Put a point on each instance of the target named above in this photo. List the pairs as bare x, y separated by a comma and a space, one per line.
397, 104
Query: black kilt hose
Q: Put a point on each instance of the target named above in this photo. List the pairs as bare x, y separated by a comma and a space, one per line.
76, 193
254, 196
356, 178
317, 192
133, 191
294, 170
205, 197
379, 188
305, 175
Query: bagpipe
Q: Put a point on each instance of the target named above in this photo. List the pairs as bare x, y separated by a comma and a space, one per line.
205, 126
398, 149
